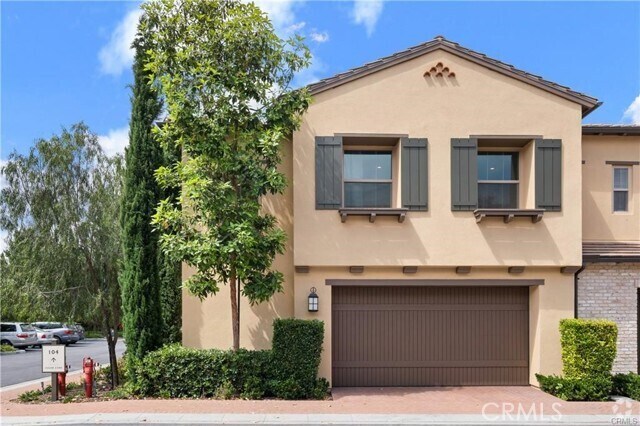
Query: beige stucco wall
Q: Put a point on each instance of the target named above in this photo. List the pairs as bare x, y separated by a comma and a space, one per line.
207, 324
600, 223
399, 100
548, 304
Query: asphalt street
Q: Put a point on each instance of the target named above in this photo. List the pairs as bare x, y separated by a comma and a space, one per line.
26, 366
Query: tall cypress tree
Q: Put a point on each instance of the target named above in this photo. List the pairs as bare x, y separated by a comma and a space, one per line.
140, 276
170, 275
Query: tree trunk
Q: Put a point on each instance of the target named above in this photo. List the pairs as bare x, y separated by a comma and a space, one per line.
112, 339
235, 311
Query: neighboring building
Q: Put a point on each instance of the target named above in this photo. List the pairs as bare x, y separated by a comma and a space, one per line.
436, 206
608, 286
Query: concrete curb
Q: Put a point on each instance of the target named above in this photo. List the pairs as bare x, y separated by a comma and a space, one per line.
16, 352
310, 419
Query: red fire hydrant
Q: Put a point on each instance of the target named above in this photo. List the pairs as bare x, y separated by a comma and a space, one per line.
62, 383
87, 369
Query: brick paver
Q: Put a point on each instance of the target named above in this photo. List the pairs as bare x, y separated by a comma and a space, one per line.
451, 400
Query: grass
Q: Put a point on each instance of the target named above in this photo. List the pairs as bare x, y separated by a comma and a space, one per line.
7, 348
97, 334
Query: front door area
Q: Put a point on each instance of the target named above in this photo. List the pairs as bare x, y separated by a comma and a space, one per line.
430, 336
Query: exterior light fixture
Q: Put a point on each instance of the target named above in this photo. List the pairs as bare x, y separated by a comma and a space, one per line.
313, 300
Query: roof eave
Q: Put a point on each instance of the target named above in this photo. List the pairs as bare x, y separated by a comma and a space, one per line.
588, 103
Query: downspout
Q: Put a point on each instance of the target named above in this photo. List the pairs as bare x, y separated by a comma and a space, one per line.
575, 290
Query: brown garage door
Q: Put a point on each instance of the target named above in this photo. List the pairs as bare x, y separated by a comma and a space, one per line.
430, 336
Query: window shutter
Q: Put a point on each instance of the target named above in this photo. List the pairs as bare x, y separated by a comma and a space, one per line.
328, 172
549, 174
464, 174
414, 173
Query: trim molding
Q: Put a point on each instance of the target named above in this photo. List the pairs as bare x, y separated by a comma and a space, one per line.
435, 283
622, 163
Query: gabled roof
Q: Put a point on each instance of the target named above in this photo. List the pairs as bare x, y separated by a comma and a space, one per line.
611, 129
588, 103
603, 251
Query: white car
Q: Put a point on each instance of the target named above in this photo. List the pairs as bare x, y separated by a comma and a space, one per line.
18, 335
44, 337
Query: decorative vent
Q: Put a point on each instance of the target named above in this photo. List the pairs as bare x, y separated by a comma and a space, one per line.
439, 71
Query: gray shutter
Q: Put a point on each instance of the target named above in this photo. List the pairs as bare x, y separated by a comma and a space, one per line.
328, 172
464, 174
549, 174
414, 173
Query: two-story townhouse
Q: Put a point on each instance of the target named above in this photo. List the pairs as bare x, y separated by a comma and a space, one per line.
608, 286
435, 210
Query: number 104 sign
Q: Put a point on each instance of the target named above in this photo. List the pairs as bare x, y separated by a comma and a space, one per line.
53, 358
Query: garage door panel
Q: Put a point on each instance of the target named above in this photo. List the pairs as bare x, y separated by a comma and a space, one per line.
419, 336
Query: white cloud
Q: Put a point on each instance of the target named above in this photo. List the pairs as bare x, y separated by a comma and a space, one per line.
293, 28
280, 12
633, 112
117, 54
367, 12
319, 37
115, 141
3, 240
311, 74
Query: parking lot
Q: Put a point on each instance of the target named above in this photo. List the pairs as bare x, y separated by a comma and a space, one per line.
26, 366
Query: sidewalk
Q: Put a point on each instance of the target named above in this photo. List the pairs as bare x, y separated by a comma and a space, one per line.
301, 419
454, 405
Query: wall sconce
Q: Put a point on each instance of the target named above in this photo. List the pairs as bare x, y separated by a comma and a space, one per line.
313, 300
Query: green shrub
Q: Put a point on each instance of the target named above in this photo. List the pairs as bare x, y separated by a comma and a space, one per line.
627, 385
588, 347
321, 389
7, 348
178, 372
297, 345
597, 388
288, 371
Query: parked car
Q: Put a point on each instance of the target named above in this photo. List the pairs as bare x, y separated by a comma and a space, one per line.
45, 337
62, 333
18, 335
79, 329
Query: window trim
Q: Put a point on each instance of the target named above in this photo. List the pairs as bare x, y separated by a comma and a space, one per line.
614, 189
384, 149
504, 182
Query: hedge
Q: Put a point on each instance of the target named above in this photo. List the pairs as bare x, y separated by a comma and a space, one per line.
177, 372
297, 345
288, 371
588, 347
597, 388
627, 385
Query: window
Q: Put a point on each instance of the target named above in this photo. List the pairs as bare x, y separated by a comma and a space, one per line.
8, 327
367, 179
498, 180
620, 189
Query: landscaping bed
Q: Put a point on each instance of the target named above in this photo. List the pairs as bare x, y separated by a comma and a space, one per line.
588, 352
288, 371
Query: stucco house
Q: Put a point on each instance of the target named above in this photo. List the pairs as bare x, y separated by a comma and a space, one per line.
448, 210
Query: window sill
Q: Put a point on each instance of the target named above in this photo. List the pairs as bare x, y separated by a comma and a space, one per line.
509, 214
373, 213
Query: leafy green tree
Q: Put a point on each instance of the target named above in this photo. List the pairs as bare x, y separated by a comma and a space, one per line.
226, 77
61, 209
139, 274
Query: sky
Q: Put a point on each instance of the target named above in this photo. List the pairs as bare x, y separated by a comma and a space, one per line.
63, 62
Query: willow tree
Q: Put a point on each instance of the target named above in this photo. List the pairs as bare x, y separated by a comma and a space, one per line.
60, 208
225, 77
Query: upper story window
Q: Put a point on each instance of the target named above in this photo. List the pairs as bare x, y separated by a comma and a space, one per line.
620, 189
367, 179
498, 180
